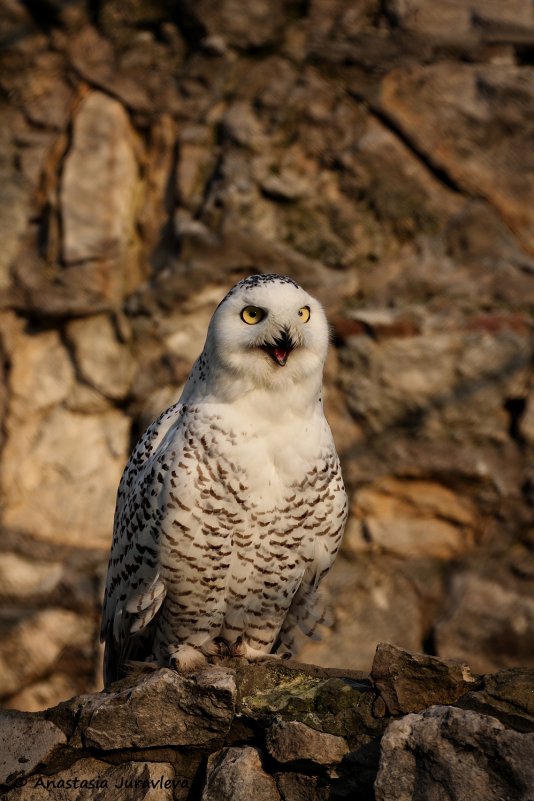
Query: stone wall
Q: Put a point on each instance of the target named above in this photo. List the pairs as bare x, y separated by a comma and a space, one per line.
418, 727
380, 153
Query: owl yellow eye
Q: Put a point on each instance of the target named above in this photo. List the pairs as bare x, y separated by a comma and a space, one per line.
252, 315
304, 314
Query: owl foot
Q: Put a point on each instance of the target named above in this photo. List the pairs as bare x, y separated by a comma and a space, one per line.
223, 647
286, 655
243, 649
186, 658
216, 647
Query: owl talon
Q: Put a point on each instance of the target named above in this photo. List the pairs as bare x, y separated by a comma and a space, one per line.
216, 647
238, 648
241, 648
223, 647
186, 658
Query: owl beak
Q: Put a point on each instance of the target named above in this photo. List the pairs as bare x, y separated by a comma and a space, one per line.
280, 349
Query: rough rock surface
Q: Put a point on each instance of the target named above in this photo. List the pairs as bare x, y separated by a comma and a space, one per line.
151, 154
236, 773
279, 731
199, 718
292, 741
90, 778
471, 755
398, 676
26, 741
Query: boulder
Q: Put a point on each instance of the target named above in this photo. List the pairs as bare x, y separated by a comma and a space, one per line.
236, 774
471, 755
90, 778
198, 712
408, 682
293, 741
26, 741
99, 180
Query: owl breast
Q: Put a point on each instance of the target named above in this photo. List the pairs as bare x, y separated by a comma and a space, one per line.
263, 514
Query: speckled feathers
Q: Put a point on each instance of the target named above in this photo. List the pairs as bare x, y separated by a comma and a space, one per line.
232, 506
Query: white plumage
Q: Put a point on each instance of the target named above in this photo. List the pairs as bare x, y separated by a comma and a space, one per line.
232, 507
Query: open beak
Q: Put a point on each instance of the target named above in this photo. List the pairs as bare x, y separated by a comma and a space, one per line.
280, 349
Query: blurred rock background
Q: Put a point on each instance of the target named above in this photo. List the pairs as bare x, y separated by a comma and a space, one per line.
379, 152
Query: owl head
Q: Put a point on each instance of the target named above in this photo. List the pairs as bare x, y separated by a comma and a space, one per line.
269, 332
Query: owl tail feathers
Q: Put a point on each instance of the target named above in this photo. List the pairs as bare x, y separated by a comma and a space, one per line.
145, 604
315, 615
127, 648
112, 666
307, 614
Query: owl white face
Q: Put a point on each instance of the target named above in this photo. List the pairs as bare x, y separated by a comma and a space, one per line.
270, 330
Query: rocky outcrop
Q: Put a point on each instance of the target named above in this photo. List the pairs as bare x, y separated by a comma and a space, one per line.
379, 152
282, 732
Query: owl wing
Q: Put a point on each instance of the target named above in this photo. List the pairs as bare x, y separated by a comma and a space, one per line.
134, 590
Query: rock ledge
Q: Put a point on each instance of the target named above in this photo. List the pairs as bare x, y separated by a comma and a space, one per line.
281, 732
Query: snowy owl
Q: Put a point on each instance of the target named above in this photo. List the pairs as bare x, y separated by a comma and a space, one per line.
231, 509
